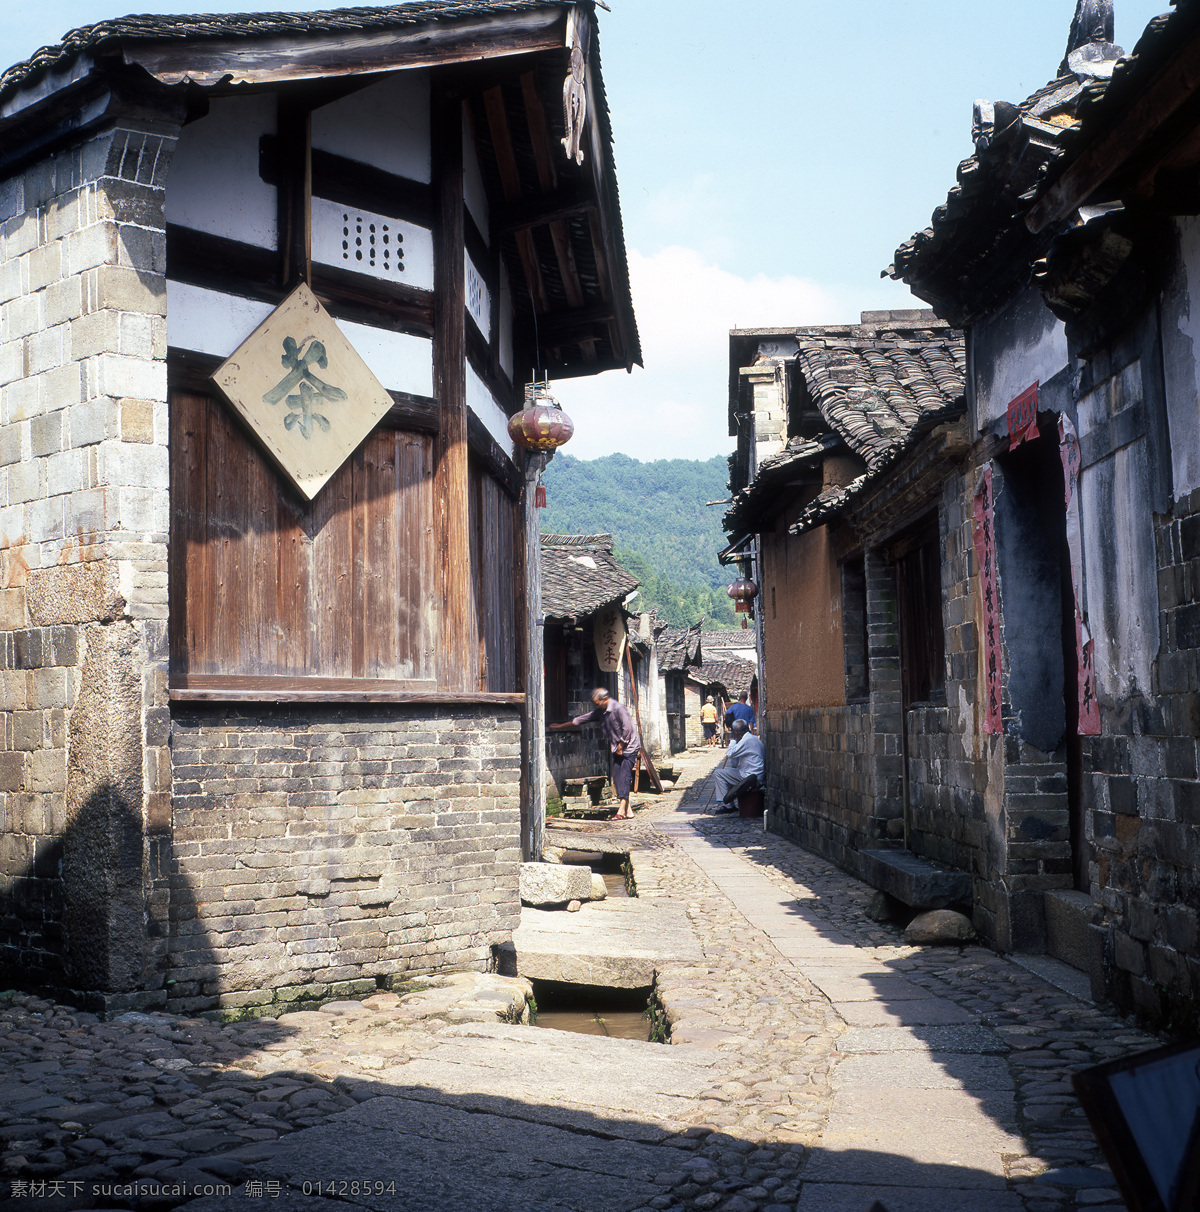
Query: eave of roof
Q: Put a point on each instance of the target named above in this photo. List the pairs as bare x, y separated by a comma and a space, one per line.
1146, 87
679, 647
580, 576
977, 251
877, 386
148, 29
733, 675
335, 41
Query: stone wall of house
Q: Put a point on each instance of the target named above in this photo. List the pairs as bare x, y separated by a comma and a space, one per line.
1143, 799
316, 845
83, 561
820, 776
989, 805
948, 773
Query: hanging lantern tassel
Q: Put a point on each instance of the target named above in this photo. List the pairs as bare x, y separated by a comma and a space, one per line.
539, 497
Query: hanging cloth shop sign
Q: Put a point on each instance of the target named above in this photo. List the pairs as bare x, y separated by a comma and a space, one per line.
608, 634
1089, 708
1022, 418
984, 534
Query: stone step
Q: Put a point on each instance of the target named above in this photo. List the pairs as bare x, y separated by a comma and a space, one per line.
914, 880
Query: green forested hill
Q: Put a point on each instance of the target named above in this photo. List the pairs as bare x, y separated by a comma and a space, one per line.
662, 530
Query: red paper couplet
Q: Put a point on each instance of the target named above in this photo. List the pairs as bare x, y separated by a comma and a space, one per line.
1089, 708
984, 535
1022, 417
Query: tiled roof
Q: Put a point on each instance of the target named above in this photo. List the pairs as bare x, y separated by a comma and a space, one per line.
678, 647
719, 644
977, 250
206, 26
733, 675
580, 575
1102, 103
874, 385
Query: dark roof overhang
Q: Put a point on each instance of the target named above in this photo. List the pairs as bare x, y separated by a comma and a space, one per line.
559, 222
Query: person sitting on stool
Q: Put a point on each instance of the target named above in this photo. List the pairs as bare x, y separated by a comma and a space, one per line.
742, 768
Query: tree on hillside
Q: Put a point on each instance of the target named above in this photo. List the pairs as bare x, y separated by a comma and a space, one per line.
656, 510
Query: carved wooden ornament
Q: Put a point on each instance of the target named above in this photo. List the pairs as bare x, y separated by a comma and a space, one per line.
579, 33
303, 390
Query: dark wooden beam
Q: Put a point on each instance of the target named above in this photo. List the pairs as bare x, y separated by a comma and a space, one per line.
539, 135
231, 688
510, 185
294, 123
539, 138
418, 414
489, 452
352, 183
543, 209
302, 53
201, 259
190, 371
458, 656
580, 323
356, 297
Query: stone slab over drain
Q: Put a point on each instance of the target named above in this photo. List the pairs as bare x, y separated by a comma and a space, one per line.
618, 942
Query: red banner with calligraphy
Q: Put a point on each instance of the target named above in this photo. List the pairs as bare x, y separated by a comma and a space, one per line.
1022, 418
1089, 708
984, 534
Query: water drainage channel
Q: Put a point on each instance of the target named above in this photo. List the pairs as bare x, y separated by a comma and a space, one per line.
595, 1009
592, 1010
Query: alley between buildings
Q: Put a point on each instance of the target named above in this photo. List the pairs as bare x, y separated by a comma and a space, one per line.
816, 1063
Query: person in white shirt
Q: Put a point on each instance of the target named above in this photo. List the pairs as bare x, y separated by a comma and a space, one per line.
743, 758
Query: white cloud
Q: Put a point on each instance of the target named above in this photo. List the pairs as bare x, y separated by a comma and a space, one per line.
677, 406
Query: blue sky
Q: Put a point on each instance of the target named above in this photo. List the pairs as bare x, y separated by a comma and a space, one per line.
771, 155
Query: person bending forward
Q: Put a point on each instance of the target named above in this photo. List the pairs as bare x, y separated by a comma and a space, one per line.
623, 743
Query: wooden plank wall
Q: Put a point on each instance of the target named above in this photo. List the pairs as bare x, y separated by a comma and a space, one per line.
495, 523
264, 584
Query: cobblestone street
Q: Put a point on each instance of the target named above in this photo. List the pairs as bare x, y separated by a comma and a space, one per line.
819, 1063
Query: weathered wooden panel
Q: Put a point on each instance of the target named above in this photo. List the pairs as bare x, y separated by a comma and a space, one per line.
264, 584
494, 523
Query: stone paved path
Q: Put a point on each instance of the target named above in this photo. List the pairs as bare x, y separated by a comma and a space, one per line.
817, 1064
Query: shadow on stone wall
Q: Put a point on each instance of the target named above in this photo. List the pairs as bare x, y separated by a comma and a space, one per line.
86, 919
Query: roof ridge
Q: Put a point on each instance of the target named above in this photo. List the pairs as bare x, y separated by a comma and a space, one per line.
577, 540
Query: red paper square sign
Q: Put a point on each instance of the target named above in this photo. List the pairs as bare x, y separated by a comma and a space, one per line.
1022, 417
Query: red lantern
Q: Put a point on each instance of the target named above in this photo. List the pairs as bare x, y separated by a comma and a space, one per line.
541, 424
743, 592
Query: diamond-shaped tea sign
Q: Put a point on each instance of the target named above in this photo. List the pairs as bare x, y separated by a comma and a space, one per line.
304, 391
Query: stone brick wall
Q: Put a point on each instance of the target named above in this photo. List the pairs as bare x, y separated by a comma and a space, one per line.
83, 567
820, 779
1143, 801
947, 820
316, 845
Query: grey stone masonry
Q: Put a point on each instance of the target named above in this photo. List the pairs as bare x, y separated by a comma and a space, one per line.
84, 770
820, 784
1142, 792
320, 844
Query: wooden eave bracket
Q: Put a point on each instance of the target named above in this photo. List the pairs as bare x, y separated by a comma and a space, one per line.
303, 56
